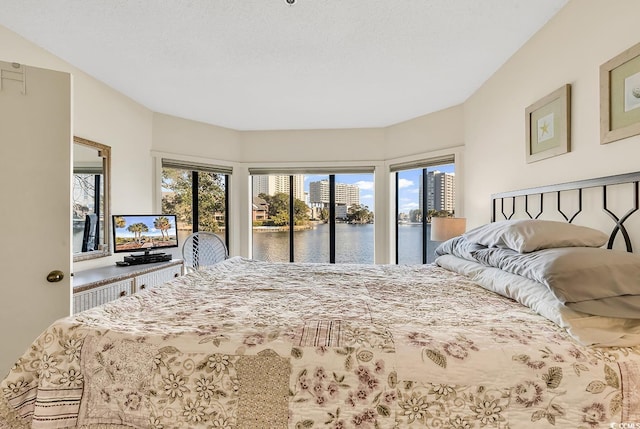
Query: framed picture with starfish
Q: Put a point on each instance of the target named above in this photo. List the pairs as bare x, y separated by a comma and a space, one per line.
548, 125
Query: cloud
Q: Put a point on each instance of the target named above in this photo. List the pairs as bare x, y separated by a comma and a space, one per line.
406, 208
364, 184
404, 183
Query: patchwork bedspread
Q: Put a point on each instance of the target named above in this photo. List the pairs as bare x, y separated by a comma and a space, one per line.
257, 345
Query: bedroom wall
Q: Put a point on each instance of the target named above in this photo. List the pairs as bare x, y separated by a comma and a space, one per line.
190, 138
436, 131
105, 116
569, 49
312, 145
433, 132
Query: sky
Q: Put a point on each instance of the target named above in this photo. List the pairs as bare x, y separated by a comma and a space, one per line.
408, 186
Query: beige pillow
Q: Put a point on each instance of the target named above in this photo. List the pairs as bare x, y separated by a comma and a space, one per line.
530, 235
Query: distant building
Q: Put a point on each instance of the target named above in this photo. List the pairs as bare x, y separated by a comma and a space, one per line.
274, 184
260, 209
441, 191
348, 195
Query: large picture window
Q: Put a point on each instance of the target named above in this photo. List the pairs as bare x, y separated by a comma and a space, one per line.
422, 192
198, 195
332, 217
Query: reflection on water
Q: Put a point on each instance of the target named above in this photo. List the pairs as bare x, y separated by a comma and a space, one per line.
354, 244
410, 244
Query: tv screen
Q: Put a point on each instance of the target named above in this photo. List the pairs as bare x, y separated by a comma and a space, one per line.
144, 233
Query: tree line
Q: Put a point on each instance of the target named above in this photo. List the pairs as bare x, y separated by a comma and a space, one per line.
179, 200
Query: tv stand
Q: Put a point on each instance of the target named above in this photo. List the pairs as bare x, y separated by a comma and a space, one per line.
103, 284
146, 258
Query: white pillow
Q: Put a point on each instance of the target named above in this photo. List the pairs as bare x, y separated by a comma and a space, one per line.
595, 281
529, 235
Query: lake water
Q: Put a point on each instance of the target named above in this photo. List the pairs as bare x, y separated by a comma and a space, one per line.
354, 244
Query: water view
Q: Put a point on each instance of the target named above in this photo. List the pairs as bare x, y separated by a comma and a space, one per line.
354, 244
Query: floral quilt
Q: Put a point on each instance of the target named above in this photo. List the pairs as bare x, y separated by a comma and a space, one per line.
250, 344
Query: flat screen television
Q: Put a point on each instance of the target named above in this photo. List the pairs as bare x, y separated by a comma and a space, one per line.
144, 233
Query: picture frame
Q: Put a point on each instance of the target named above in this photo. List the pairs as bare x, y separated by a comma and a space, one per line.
548, 125
620, 96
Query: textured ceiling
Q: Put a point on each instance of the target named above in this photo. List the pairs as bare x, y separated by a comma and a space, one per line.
264, 64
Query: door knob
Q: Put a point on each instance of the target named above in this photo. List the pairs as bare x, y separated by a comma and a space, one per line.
55, 276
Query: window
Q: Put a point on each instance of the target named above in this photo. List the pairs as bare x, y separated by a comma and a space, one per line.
333, 221
198, 195
422, 192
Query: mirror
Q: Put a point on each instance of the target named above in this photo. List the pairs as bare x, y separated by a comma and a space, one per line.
91, 202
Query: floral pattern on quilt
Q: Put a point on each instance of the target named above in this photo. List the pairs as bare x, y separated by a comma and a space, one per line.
248, 344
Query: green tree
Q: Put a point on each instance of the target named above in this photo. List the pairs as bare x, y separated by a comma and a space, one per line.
324, 215
415, 215
438, 213
278, 204
279, 209
300, 212
280, 219
180, 200
359, 214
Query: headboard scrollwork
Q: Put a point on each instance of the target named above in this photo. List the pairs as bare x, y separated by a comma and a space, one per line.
604, 183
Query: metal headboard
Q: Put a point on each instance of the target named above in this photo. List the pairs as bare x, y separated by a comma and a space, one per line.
539, 192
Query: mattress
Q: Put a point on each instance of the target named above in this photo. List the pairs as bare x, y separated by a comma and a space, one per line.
249, 344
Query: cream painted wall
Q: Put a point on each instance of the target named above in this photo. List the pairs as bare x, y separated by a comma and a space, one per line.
313, 145
569, 49
189, 138
421, 135
106, 116
436, 131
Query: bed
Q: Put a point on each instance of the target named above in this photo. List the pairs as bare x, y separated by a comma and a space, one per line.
469, 342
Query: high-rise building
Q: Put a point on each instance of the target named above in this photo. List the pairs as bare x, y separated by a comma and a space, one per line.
441, 191
274, 184
346, 194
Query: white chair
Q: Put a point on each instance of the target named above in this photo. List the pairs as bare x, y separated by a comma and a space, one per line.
202, 249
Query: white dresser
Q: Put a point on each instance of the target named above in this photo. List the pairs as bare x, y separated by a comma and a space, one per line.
100, 285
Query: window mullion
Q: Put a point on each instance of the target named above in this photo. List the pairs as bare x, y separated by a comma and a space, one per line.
424, 215
397, 215
195, 211
332, 218
227, 230
291, 218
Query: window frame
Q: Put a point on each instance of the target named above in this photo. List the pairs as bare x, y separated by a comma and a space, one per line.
423, 164
195, 168
331, 172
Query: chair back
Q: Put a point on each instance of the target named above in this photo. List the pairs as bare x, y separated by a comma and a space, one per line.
202, 249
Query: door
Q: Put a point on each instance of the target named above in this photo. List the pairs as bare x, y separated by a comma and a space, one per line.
35, 208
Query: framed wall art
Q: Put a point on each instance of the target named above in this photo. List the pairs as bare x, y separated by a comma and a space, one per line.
620, 96
548, 125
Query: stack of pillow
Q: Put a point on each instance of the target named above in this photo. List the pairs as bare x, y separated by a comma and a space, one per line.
567, 259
